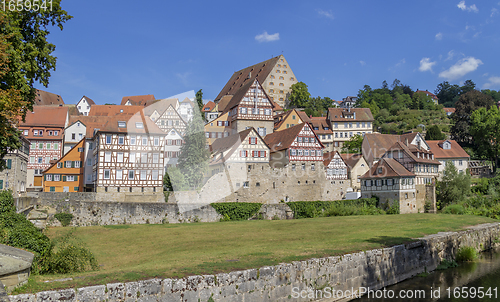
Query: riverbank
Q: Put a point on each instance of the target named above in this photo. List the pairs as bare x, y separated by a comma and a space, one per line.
379, 266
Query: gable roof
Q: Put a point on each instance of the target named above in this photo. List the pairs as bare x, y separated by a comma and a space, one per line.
351, 159
282, 140
160, 106
138, 100
47, 98
449, 110
399, 146
283, 116
208, 106
54, 162
259, 71
390, 168
456, 150
46, 116
238, 96
344, 115
148, 126
111, 110
230, 143
222, 104
328, 156
303, 116
89, 100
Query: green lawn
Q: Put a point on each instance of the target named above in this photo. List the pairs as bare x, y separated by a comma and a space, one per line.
132, 252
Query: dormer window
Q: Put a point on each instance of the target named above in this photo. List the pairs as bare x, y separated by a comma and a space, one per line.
139, 125
122, 124
379, 171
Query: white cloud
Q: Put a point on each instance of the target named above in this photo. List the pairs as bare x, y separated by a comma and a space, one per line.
493, 82
461, 68
472, 8
363, 63
401, 62
324, 13
265, 37
450, 56
494, 12
439, 36
426, 64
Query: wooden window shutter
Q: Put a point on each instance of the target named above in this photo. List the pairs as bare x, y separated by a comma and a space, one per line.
250, 140
264, 153
64, 178
45, 177
9, 163
76, 177
72, 164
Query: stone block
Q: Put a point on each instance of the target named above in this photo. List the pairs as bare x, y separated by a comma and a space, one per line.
91, 293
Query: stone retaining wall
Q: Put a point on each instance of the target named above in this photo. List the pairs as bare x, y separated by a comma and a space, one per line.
375, 269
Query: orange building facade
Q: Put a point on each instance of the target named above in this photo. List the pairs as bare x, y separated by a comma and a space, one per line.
66, 175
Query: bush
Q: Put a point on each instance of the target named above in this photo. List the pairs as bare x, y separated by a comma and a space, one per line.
64, 218
6, 202
311, 209
467, 253
17, 231
454, 209
393, 208
236, 210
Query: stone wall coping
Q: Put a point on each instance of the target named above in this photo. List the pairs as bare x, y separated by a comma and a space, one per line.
224, 286
13, 252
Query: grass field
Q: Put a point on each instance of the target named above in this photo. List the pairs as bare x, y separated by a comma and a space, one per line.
133, 252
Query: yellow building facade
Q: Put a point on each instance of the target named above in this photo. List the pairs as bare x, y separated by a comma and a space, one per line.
66, 175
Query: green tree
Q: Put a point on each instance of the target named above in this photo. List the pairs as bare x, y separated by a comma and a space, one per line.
199, 100
174, 180
453, 186
447, 94
434, 133
467, 103
495, 95
193, 159
353, 145
485, 130
299, 95
25, 58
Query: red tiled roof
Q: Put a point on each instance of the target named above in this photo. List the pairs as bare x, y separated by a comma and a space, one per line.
46, 116
390, 168
450, 110
281, 140
208, 106
111, 110
222, 104
432, 95
398, 146
456, 150
89, 100
303, 116
47, 98
138, 100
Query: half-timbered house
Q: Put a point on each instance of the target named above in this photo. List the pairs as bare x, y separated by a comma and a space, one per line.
44, 128
170, 119
391, 182
239, 154
250, 107
335, 167
173, 144
345, 123
129, 155
66, 174
297, 146
84, 104
218, 128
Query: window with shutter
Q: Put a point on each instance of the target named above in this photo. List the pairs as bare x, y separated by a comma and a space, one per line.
64, 178
9, 163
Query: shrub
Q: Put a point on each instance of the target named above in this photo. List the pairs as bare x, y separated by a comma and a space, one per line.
311, 209
236, 210
454, 209
6, 202
393, 208
64, 218
71, 257
467, 253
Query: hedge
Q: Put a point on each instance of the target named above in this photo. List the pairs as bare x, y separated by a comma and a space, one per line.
310, 209
236, 210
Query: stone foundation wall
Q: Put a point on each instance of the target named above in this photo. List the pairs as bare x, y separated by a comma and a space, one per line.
111, 213
374, 269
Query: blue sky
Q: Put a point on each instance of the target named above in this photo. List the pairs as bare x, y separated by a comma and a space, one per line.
113, 49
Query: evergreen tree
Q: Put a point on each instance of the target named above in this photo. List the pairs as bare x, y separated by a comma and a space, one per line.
193, 159
434, 133
199, 100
